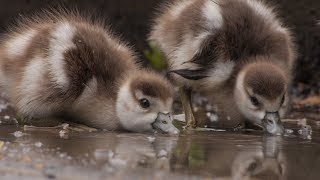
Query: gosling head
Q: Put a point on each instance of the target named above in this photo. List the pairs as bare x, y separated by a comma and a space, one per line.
141, 98
261, 95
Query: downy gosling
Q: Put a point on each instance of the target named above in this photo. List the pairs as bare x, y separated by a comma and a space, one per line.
236, 51
64, 64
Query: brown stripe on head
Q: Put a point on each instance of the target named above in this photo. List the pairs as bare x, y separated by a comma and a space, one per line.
151, 84
266, 80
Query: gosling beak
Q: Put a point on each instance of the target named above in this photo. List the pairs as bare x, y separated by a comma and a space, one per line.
164, 124
272, 123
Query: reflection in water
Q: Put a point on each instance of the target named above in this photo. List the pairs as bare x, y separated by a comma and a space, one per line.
266, 161
220, 155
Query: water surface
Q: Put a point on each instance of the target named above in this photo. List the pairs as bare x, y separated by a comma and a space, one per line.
46, 154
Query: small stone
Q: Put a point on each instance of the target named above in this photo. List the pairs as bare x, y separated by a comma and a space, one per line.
162, 153
289, 131
62, 133
213, 117
305, 131
117, 162
101, 154
151, 139
309, 137
38, 144
18, 134
62, 155
65, 126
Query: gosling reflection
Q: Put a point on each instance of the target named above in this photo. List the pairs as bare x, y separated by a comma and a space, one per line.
269, 163
203, 155
124, 150
230, 161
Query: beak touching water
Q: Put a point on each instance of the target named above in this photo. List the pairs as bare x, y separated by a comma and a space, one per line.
164, 124
272, 123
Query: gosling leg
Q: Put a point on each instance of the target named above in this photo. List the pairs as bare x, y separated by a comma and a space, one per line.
185, 94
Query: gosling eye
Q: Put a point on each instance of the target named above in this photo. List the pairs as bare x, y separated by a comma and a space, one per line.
144, 103
254, 101
282, 100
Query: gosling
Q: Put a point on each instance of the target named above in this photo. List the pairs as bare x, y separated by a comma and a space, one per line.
64, 64
236, 51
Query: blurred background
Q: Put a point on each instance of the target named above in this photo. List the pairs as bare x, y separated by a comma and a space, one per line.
132, 19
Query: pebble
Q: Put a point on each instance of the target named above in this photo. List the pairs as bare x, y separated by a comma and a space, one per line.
305, 131
102, 154
18, 134
289, 131
3, 106
62, 133
151, 139
65, 126
117, 162
213, 117
38, 144
162, 153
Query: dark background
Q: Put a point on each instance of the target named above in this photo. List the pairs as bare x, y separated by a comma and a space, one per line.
132, 18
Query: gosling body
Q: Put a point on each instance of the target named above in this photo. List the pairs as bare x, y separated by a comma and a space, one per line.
64, 64
235, 51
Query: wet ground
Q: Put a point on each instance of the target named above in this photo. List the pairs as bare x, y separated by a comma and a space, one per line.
61, 153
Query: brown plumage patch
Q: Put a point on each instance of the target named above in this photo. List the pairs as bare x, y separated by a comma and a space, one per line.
265, 80
152, 85
97, 53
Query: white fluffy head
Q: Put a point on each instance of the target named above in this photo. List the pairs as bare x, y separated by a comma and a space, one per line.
140, 100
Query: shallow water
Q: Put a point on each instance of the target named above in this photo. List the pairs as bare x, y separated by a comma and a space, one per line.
46, 154
58, 153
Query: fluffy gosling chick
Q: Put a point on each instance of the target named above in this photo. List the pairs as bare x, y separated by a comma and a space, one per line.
237, 51
58, 64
